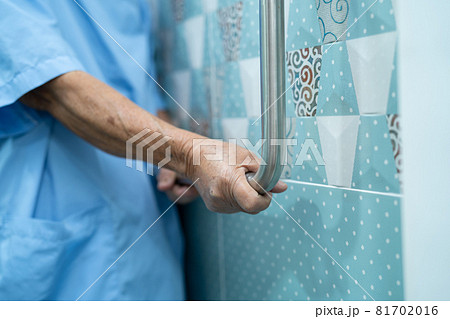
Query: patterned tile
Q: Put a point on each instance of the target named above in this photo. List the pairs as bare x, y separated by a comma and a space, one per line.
178, 9
396, 140
268, 256
304, 74
230, 20
333, 19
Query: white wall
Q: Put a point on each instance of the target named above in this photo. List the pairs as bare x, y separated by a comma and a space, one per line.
424, 79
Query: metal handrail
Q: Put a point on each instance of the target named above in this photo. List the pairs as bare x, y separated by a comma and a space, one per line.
273, 87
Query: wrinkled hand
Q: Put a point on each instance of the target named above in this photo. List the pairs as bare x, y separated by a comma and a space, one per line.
222, 183
172, 184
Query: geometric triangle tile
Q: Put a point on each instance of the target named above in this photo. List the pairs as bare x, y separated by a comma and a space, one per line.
336, 91
193, 8
213, 81
179, 52
195, 45
370, 17
392, 107
375, 168
250, 30
229, 130
233, 102
213, 41
371, 59
308, 170
303, 29
338, 141
210, 5
250, 77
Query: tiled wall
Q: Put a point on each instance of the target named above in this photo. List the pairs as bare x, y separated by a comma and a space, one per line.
335, 234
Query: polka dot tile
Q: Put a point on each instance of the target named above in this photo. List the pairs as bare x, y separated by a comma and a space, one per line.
250, 30
375, 168
302, 25
213, 42
233, 97
336, 90
307, 169
326, 243
370, 17
392, 107
273, 257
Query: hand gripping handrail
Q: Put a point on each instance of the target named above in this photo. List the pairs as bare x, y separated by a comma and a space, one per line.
273, 87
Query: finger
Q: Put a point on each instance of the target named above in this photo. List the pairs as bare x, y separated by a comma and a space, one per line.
166, 179
279, 187
184, 193
178, 190
247, 198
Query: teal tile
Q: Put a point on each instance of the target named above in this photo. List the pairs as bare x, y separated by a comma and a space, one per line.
333, 19
203, 252
303, 29
233, 103
308, 171
179, 53
375, 168
336, 91
250, 30
270, 257
392, 107
370, 17
192, 8
213, 42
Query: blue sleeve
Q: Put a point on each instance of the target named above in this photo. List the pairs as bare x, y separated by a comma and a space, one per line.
32, 52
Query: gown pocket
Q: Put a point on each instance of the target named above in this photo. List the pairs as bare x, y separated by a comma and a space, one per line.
34, 252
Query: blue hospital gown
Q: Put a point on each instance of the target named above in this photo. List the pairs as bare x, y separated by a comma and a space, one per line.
67, 209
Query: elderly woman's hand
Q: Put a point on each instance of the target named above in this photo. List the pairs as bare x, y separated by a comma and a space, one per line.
222, 182
176, 187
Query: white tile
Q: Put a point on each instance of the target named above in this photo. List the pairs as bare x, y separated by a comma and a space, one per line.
235, 128
195, 40
210, 5
371, 60
182, 88
250, 78
338, 137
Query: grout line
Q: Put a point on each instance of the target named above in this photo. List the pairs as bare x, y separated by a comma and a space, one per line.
344, 188
325, 250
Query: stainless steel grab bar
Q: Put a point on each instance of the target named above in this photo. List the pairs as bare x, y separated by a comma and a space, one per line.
273, 86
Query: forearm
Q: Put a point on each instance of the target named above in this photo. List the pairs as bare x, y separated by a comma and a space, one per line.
107, 119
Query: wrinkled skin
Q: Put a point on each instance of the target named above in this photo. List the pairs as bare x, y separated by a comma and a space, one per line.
106, 119
223, 187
